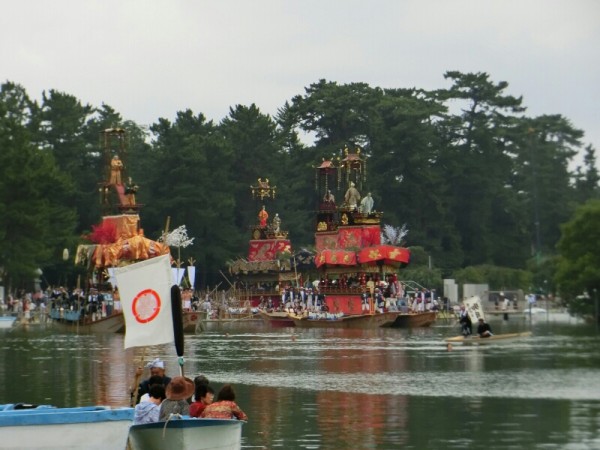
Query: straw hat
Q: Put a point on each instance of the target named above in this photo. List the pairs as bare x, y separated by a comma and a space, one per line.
180, 388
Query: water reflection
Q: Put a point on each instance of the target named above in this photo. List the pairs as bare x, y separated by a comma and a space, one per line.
371, 389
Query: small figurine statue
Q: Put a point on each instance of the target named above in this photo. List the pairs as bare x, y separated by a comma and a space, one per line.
352, 197
263, 215
116, 166
130, 191
276, 224
366, 204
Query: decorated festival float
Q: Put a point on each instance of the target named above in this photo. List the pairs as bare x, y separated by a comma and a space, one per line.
271, 272
116, 241
357, 263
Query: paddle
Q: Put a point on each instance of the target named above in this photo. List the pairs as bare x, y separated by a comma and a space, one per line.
177, 312
136, 381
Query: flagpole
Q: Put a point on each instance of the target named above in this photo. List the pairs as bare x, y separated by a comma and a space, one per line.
136, 380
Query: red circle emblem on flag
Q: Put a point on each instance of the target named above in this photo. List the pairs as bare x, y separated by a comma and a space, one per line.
146, 306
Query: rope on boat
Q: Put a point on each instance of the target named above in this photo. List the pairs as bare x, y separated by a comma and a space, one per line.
171, 416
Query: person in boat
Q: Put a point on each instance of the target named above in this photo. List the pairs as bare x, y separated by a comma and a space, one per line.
225, 407
203, 396
148, 411
379, 300
483, 329
366, 307
179, 390
157, 368
154, 379
200, 380
465, 321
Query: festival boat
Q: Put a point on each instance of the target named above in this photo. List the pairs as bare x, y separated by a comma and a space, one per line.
29, 427
271, 270
327, 320
116, 241
67, 320
357, 263
276, 318
198, 321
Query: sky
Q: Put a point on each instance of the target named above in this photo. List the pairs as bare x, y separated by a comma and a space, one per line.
150, 59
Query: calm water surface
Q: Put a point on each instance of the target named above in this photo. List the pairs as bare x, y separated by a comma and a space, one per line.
347, 389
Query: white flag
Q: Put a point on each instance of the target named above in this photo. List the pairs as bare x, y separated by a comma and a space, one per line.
191, 271
111, 277
473, 305
177, 275
145, 290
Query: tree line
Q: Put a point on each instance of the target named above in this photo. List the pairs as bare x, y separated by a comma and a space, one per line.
482, 186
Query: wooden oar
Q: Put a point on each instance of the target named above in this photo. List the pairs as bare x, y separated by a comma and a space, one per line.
177, 311
136, 381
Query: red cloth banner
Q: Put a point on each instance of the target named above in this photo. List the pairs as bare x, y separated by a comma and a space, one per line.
350, 237
268, 249
335, 258
326, 241
387, 253
371, 235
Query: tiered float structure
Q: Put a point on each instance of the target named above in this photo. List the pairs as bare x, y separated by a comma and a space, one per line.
116, 241
270, 266
350, 256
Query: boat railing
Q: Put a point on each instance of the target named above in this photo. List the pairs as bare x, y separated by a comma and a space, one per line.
349, 290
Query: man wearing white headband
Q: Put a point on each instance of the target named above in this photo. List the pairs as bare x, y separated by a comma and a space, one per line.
157, 375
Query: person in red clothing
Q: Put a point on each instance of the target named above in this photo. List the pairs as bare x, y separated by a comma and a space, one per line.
225, 406
204, 396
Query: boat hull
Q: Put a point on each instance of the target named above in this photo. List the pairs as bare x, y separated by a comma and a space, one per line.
415, 320
7, 322
94, 428
365, 321
476, 340
194, 322
114, 323
276, 318
187, 434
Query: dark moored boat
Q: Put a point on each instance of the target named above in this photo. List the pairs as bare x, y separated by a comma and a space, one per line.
415, 320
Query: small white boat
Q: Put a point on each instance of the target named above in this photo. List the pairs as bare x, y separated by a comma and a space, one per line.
46, 427
476, 340
186, 434
7, 321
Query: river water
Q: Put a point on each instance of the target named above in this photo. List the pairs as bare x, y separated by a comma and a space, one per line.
346, 389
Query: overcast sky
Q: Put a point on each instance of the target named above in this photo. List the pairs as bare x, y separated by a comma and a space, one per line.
149, 59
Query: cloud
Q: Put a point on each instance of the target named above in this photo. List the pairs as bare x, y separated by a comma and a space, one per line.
152, 59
